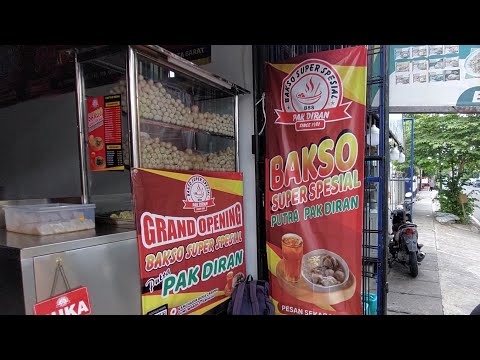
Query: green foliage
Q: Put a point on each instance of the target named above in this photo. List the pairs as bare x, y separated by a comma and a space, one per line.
403, 167
446, 142
448, 197
448, 147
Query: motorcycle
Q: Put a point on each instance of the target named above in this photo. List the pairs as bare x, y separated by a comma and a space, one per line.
407, 206
404, 247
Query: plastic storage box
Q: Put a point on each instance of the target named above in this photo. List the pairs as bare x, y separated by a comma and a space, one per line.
47, 219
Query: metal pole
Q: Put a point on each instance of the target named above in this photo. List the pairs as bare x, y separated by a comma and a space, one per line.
237, 157
411, 167
259, 56
80, 97
411, 162
132, 70
384, 172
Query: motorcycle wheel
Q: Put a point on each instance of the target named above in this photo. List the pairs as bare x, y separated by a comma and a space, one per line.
413, 264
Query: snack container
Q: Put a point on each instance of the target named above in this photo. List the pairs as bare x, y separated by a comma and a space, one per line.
48, 219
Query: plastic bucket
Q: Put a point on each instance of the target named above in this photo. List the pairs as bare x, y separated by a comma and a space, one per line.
371, 301
366, 308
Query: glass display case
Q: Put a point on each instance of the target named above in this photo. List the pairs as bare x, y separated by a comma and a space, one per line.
185, 123
170, 115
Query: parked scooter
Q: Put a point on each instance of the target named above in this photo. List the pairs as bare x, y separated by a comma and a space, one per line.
404, 247
407, 206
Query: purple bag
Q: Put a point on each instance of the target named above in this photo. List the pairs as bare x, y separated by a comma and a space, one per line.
251, 297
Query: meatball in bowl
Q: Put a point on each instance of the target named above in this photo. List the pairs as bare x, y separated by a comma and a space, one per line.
324, 271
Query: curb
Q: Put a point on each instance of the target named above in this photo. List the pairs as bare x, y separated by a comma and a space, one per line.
475, 220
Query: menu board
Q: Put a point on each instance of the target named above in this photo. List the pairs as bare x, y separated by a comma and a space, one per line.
434, 78
105, 132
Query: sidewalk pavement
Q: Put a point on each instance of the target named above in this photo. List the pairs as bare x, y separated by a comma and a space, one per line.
458, 249
448, 281
420, 295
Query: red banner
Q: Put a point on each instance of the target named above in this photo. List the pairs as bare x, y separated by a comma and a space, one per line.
315, 174
299, 118
190, 239
74, 302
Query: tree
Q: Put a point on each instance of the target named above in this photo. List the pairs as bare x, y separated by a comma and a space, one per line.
448, 147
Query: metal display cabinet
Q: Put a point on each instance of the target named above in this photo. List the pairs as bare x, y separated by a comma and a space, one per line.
102, 259
176, 116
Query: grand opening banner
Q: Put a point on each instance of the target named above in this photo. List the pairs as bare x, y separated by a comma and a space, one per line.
315, 107
190, 239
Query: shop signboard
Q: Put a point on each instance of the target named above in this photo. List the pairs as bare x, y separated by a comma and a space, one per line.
73, 302
190, 239
198, 54
104, 121
434, 78
315, 107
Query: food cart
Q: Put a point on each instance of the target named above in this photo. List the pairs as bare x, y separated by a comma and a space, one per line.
139, 106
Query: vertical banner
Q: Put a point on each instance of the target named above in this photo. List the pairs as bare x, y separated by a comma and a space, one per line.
190, 239
104, 121
315, 108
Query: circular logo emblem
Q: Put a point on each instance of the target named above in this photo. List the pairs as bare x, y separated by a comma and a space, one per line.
312, 85
63, 301
312, 89
197, 189
311, 95
198, 195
